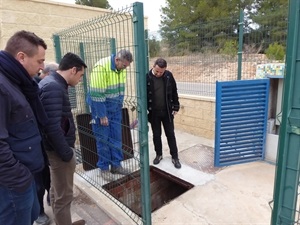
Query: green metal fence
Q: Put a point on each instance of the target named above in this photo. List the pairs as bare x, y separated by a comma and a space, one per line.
286, 209
202, 53
197, 54
95, 39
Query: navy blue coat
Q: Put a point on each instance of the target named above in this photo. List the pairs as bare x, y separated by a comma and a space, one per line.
59, 133
20, 139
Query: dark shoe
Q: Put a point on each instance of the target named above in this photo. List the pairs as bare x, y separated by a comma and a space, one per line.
43, 219
157, 159
176, 163
119, 170
79, 222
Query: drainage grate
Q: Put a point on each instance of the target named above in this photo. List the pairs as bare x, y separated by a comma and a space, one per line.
200, 157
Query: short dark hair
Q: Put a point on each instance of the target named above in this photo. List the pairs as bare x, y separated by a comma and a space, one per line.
71, 60
161, 63
24, 41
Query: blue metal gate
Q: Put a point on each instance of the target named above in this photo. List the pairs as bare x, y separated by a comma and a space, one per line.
241, 119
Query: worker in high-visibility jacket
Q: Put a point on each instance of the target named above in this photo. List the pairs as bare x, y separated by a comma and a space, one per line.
105, 97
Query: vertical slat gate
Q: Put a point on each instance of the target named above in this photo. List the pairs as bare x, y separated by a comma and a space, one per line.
241, 121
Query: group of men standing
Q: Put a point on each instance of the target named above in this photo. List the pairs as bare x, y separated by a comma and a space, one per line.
37, 127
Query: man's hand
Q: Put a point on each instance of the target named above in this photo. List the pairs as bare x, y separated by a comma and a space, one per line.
104, 121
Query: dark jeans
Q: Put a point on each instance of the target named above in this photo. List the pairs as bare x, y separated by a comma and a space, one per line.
158, 118
18, 208
42, 180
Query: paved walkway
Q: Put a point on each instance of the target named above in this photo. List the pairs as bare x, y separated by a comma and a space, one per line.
83, 207
233, 195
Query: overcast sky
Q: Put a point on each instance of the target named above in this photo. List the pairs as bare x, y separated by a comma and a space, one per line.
151, 9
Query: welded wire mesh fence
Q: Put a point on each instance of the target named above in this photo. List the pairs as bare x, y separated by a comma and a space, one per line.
200, 54
197, 54
94, 40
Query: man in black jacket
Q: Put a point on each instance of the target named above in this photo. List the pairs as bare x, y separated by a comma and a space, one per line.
42, 179
162, 106
21, 114
59, 134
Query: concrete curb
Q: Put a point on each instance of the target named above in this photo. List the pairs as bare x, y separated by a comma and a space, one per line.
102, 201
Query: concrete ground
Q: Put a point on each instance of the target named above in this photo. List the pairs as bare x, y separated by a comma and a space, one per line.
237, 194
84, 207
233, 195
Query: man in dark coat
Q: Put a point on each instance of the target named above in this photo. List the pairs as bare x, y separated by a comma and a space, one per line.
42, 179
21, 115
163, 104
59, 135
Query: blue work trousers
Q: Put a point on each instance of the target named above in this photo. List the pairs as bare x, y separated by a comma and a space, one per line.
109, 140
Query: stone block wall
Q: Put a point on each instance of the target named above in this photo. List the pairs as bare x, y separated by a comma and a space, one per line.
42, 17
196, 116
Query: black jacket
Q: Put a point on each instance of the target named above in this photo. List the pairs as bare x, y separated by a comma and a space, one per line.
59, 133
20, 139
171, 94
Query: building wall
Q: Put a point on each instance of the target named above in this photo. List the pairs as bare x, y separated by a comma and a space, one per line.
196, 116
42, 17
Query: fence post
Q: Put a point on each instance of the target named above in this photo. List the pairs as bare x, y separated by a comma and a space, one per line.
57, 48
286, 185
81, 47
147, 49
240, 51
112, 46
140, 60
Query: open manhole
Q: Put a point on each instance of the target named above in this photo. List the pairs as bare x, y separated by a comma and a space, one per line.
164, 187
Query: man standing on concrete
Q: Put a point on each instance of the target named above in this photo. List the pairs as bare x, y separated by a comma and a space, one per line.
106, 94
59, 135
42, 179
163, 105
21, 115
